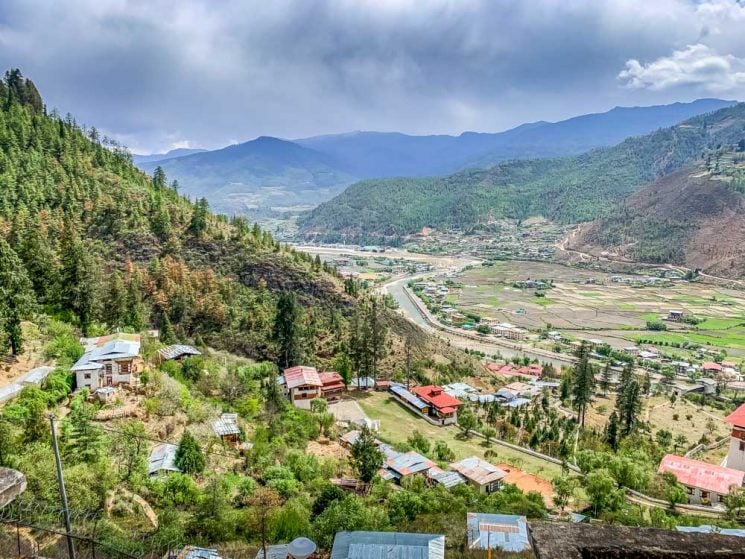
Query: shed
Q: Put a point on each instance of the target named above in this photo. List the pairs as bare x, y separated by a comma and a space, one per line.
388, 545
508, 532
162, 459
177, 352
226, 427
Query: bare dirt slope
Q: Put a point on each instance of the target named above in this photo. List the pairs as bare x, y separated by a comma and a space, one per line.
687, 218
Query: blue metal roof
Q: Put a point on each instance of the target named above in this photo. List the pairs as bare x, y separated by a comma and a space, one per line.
508, 532
387, 545
404, 394
517, 402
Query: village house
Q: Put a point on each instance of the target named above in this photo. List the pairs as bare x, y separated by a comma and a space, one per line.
711, 368
484, 476
332, 385
302, 385
706, 483
226, 428
441, 405
109, 361
398, 465
675, 316
506, 532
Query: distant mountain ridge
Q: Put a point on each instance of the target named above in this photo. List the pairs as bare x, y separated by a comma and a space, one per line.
263, 174
269, 174
570, 189
178, 152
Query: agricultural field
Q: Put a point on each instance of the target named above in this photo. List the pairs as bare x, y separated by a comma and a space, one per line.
587, 304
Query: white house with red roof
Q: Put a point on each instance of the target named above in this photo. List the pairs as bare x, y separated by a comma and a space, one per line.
706, 483
736, 453
442, 405
302, 385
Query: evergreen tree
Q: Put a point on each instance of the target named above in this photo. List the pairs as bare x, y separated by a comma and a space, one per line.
167, 335
367, 458
84, 440
605, 378
378, 333
630, 406
198, 223
627, 375
189, 457
611, 431
583, 377
78, 279
287, 330
115, 306
16, 299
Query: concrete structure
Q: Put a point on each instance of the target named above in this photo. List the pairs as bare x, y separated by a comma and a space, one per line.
193, 552
484, 476
278, 551
706, 483
302, 385
109, 361
508, 532
563, 540
736, 453
387, 545
12, 484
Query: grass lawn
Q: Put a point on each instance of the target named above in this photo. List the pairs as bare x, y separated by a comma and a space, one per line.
398, 423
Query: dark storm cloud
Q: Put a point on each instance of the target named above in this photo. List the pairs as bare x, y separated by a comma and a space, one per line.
158, 74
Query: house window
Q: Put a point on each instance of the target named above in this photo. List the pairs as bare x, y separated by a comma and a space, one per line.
107, 367
742, 446
124, 367
720, 498
704, 494
691, 490
87, 376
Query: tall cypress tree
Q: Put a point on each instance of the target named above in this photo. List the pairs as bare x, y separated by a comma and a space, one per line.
78, 279
630, 406
287, 330
16, 298
583, 379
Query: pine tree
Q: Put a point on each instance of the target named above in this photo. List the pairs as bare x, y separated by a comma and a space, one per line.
189, 457
630, 406
287, 330
366, 456
611, 431
605, 378
378, 335
78, 279
16, 299
198, 223
627, 374
583, 378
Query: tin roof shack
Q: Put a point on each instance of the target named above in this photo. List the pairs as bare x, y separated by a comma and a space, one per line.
508, 532
398, 465
12, 484
302, 385
564, 540
442, 405
109, 361
387, 545
332, 385
706, 483
193, 552
226, 427
486, 477
162, 460
177, 352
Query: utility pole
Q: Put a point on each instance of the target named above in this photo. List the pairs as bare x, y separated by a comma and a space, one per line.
62, 491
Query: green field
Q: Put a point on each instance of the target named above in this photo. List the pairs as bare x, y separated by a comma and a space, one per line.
397, 423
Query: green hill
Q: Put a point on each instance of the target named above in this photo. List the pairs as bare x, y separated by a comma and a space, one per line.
572, 189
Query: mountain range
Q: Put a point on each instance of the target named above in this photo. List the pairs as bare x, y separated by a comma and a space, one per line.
178, 152
270, 174
569, 189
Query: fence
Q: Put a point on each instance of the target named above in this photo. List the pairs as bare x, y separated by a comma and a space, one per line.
703, 447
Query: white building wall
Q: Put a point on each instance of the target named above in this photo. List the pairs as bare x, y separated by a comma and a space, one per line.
736, 453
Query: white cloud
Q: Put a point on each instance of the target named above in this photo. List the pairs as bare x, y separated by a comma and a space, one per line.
696, 65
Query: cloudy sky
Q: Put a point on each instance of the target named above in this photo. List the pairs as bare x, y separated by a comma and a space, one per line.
205, 73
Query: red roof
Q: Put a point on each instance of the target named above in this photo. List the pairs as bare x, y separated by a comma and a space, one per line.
301, 376
448, 410
330, 377
701, 475
436, 396
737, 417
711, 366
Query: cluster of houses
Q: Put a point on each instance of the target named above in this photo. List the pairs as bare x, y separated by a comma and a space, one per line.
708, 484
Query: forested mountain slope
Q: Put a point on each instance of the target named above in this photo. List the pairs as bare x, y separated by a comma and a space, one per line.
87, 237
572, 189
695, 217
